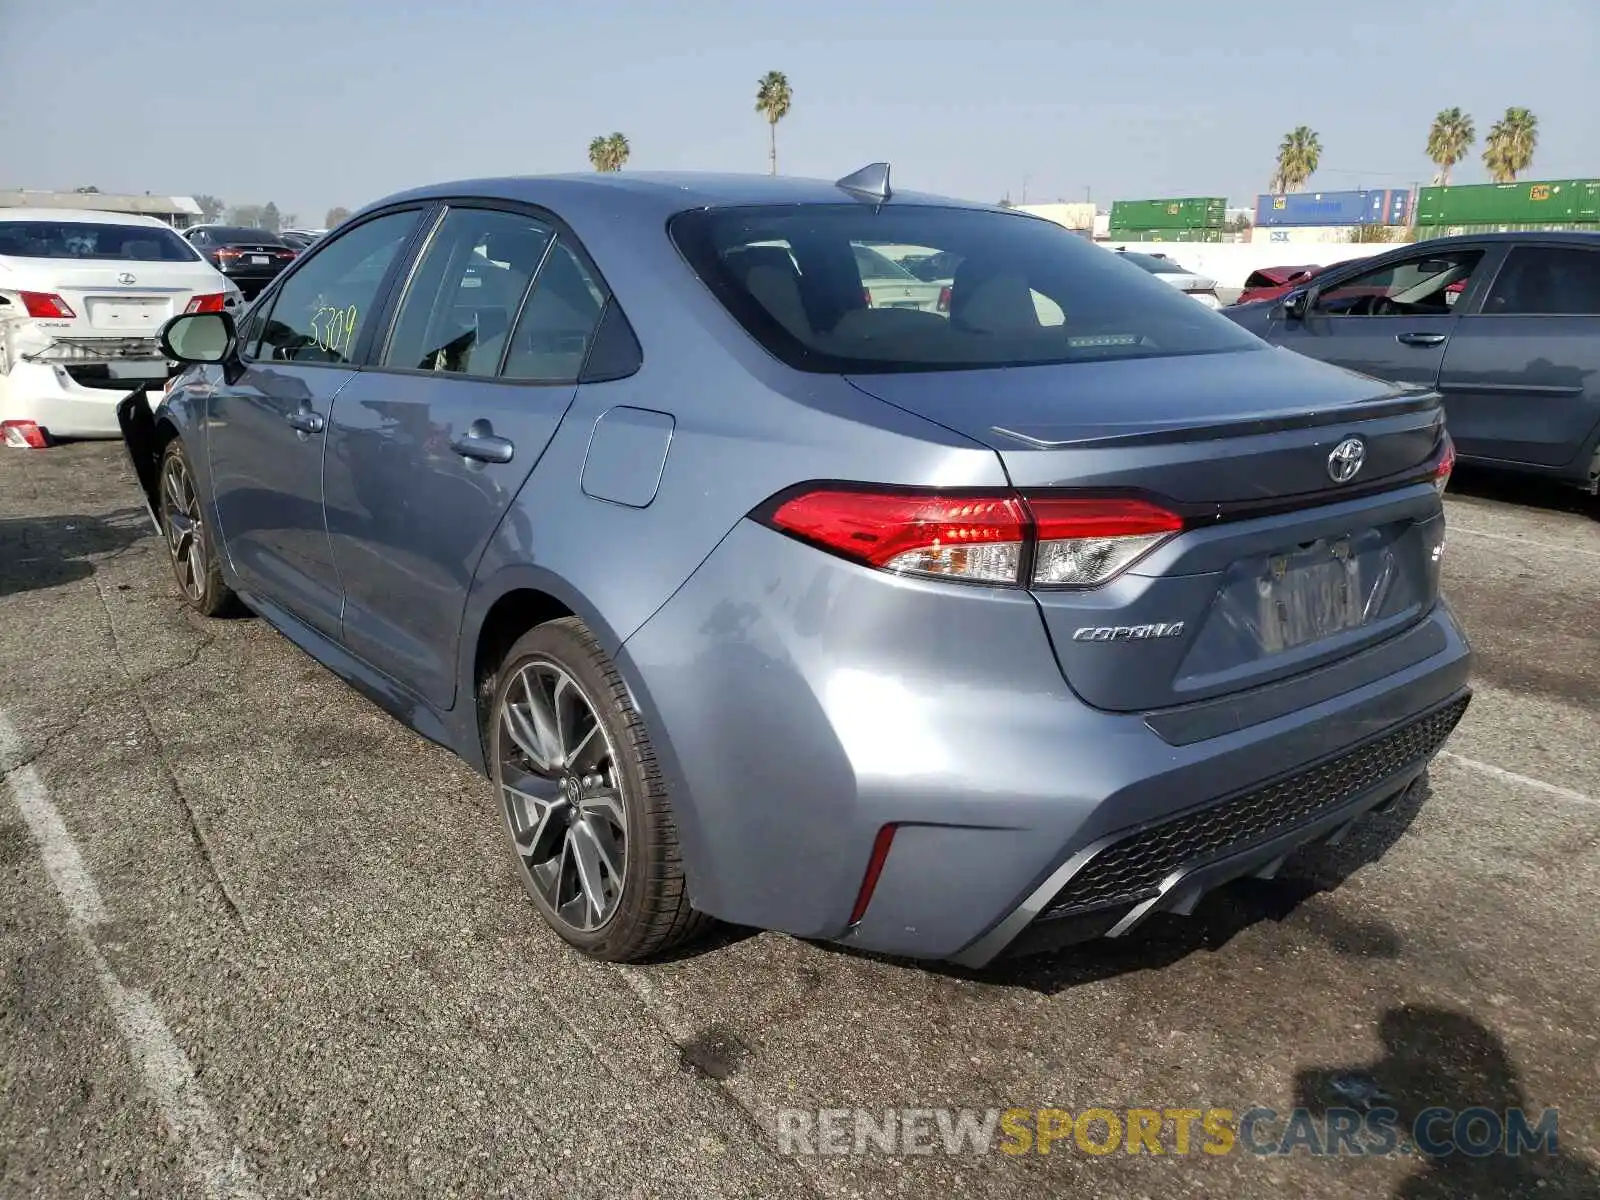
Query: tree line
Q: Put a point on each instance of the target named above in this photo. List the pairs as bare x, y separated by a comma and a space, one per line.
1507, 151
774, 98
260, 216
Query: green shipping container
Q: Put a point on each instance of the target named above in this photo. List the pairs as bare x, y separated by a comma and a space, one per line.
1192, 212
1424, 232
1166, 235
1541, 202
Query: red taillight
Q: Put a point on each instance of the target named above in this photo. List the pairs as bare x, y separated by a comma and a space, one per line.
23, 435
286, 253
869, 881
1447, 463
47, 305
866, 297
226, 254
209, 302
965, 537
1069, 541
944, 299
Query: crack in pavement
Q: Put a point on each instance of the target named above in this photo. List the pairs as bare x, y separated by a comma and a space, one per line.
191, 816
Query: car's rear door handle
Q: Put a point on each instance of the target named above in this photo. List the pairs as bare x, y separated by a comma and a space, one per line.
305, 420
1421, 339
481, 444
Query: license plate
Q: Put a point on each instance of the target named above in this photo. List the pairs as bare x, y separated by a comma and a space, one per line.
131, 312
138, 368
904, 304
260, 260
1310, 595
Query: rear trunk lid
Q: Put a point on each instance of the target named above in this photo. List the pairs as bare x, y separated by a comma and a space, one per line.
111, 299
1280, 567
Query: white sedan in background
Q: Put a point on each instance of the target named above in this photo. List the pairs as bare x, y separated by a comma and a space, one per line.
82, 297
1200, 287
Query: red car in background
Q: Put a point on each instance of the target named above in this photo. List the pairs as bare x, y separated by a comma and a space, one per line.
1269, 283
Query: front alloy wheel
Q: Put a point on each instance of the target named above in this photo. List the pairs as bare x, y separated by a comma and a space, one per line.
194, 561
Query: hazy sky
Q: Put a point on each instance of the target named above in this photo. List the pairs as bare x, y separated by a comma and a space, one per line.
312, 104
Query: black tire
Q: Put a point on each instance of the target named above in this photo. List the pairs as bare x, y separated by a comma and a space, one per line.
651, 914
190, 547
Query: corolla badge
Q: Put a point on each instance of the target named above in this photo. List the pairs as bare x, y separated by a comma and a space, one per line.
1128, 633
125, 277
1345, 459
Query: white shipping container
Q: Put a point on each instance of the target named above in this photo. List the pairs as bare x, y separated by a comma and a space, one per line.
1301, 235
1078, 215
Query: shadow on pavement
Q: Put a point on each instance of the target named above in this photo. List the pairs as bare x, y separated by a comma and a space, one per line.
1438, 1058
45, 552
1229, 911
1528, 491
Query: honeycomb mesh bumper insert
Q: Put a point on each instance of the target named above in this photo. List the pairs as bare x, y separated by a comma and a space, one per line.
1132, 869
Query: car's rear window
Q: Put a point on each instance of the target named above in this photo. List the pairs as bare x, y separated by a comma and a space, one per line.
1020, 291
225, 235
1154, 263
88, 240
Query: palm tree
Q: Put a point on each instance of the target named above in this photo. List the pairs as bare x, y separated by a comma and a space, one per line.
1508, 150
1298, 157
608, 153
773, 101
1449, 139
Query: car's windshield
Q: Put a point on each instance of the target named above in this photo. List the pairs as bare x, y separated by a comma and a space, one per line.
86, 240
1022, 290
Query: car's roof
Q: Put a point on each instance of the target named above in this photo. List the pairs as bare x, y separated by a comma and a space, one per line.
80, 216
659, 193
1578, 237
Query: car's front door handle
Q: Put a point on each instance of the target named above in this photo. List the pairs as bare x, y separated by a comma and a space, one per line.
480, 444
1420, 339
305, 420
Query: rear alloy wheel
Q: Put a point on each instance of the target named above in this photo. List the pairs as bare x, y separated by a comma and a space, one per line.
586, 813
189, 542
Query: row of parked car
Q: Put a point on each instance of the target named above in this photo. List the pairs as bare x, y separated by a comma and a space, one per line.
990, 603
84, 294
1504, 325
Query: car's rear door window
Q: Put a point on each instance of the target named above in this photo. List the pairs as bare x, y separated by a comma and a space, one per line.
1546, 281
467, 290
559, 322
809, 283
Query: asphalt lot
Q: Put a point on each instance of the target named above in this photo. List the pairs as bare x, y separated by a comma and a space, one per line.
257, 939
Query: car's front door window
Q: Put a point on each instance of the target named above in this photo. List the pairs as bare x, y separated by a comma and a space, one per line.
1427, 284
320, 312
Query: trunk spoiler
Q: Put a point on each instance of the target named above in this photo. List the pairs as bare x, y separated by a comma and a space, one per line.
143, 446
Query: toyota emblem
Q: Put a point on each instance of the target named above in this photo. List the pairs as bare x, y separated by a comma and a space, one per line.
1345, 459
126, 278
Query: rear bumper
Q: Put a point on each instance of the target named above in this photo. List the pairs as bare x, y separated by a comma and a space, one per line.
56, 396
257, 277
800, 703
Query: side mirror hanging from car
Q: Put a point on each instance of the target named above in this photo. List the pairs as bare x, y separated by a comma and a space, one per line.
1296, 304
199, 337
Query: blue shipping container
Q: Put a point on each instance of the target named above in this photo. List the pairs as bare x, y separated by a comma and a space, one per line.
1388, 206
